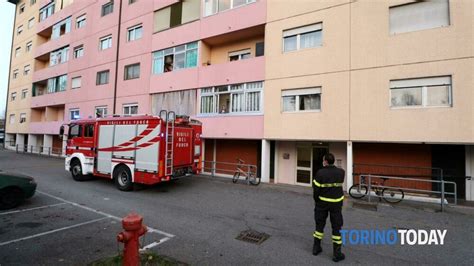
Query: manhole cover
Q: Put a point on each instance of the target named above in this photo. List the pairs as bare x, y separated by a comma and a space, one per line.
252, 236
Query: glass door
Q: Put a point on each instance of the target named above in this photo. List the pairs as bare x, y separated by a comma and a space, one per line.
304, 165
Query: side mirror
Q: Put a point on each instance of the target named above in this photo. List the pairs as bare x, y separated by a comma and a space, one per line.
61, 132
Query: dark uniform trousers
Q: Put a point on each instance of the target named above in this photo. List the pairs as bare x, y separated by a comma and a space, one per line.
328, 197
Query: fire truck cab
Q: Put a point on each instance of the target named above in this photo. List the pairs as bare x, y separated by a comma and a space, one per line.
134, 149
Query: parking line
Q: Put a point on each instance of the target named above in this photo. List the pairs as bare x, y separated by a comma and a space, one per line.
32, 209
154, 244
150, 229
51, 231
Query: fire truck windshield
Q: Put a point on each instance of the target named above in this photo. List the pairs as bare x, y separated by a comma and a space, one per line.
74, 131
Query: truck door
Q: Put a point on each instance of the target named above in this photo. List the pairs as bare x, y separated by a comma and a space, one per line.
104, 158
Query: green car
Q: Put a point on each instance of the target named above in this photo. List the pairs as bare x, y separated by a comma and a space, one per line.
14, 188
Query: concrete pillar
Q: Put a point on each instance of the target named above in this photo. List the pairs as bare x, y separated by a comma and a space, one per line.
265, 163
33, 141
47, 143
20, 140
277, 158
349, 167
470, 173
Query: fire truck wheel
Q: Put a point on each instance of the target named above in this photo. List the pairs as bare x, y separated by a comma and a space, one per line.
76, 171
123, 178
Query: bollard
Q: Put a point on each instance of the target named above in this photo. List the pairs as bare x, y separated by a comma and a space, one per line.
134, 229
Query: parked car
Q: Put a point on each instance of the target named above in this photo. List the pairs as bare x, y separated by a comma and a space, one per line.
14, 189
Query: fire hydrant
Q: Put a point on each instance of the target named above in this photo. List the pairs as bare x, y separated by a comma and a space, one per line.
134, 229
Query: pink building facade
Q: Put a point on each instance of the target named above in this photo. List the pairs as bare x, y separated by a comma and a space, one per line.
125, 57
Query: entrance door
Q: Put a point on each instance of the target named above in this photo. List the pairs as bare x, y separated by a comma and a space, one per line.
309, 161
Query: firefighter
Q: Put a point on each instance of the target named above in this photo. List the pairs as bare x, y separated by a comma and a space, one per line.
328, 197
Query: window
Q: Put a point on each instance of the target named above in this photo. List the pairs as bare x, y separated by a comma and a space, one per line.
182, 102
76, 82
26, 70
81, 21
130, 109
59, 56
12, 119
32, 2
17, 51
132, 71
29, 45
19, 30
73, 114
107, 8
89, 131
213, 6
21, 9
300, 100
22, 118
61, 28
31, 22
131, 1
46, 11
239, 98
102, 77
176, 14
179, 57
74, 129
302, 37
57, 84
134, 33
79, 51
15, 73
239, 55
13, 96
100, 111
105, 42
421, 92
24, 93
419, 15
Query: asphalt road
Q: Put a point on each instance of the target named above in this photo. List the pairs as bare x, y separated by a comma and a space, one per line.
197, 219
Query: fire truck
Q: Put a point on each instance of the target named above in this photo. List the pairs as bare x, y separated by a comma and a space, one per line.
140, 149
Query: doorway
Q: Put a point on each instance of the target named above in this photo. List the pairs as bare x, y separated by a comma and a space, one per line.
309, 159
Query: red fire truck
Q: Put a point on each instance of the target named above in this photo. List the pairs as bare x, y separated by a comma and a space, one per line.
134, 149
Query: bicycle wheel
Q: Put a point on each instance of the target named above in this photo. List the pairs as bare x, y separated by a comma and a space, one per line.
358, 192
254, 180
392, 195
236, 177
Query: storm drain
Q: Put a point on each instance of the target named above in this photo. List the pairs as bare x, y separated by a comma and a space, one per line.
251, 236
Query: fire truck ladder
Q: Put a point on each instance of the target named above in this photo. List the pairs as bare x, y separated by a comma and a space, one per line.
170, 121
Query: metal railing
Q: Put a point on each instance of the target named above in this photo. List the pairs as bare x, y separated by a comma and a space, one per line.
39, 150
371, 182
211, 167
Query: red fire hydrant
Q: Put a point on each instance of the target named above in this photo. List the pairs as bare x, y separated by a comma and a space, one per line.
134, 229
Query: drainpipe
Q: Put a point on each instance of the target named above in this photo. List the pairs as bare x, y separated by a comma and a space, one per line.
117, 57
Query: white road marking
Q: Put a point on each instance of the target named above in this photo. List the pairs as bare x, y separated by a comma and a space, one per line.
32, 209
51, 231
154, 244
150, 229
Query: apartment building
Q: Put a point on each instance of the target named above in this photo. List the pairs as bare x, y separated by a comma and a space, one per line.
21, 65
380, 84
278, 84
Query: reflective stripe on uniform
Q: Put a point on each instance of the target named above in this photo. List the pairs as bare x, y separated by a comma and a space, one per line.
317, 234
339, 242
316, 183
336, 237
331, 200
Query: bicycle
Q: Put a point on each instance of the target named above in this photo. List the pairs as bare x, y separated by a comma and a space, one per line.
390, 195
250, 174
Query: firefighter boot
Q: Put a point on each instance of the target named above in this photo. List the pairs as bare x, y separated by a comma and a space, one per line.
317, 247
337, 254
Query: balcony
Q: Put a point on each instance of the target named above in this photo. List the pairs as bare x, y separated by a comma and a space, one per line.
51, 127
231, 20
54, 18
176, 80
50, 72
229, 126
49, 99
252, 69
